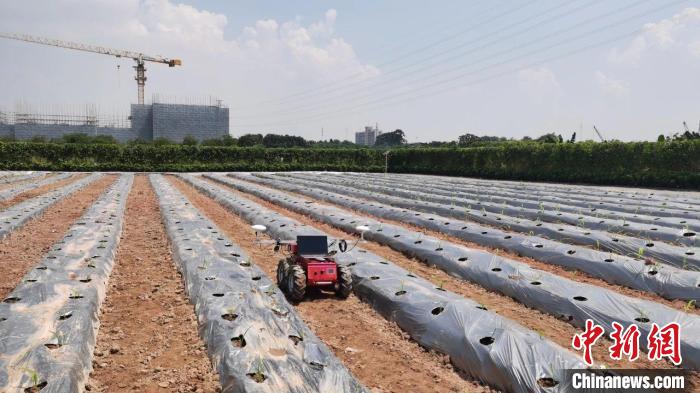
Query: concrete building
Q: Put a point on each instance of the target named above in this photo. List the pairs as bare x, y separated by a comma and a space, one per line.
368, 136
147, 122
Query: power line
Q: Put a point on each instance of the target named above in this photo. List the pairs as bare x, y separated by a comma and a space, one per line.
363, 92
399, 58
499, 74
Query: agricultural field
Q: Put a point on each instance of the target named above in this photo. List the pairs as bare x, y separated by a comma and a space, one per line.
158, 282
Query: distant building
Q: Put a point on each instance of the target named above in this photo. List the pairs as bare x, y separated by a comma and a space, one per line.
368, 136
146, 122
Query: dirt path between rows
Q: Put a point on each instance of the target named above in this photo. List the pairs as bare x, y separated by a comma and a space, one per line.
11, 184
546, 325
575, 275
40, 190
376, 351
24, 248
148, 339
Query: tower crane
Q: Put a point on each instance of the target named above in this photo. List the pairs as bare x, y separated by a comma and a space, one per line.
599, 134
139, 58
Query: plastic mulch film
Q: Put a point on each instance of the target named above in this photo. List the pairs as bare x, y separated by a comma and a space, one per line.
682, 235
255, 339
549, 293
13, 177
48, 324
679, 204
486, 346
20, 188
17, 215
683, 257
549, 208
667, 281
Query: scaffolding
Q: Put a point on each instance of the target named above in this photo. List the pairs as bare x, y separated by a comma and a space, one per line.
87, 115
194, 101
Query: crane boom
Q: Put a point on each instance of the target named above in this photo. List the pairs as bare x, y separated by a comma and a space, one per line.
599, 134
138, 57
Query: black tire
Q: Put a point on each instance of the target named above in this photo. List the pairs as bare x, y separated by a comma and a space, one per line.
296, 283
282, 267
344, 282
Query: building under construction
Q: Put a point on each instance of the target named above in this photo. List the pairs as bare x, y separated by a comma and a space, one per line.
169, 120
147, 122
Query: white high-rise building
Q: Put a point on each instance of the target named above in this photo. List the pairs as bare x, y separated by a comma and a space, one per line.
368, 136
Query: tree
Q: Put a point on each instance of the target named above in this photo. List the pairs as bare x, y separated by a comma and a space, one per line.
548, 138
228, 140
573, 138
248, 140
189, 140
274, 140
394, 138
473, 140
162, 142
661, 138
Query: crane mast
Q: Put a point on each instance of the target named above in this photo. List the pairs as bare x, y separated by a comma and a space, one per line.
138, 57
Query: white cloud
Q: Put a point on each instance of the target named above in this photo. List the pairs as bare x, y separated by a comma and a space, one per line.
681, 31
264, 60
610, 86
539, 83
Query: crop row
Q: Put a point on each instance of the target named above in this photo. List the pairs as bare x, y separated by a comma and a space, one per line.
547, 206
17, 215
483, 344
17, 176
566, 299
48, 323
683, 257
18, 189
637, 196
669, 282
255, 339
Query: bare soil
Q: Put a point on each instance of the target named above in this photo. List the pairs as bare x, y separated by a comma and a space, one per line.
24, 248
11, 184
551, 328
376, 351
40, 190
148, 339
571, 274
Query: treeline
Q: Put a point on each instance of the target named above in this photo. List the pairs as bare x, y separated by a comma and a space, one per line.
668, 164
247, 140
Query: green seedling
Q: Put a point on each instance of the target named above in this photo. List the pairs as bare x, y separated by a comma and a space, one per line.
258, 374
442, 285
75, 294
204, 265
640, 252
34, 379
689, 306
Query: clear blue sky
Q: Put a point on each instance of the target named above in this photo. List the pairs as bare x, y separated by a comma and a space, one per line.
435, 70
